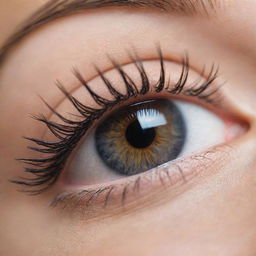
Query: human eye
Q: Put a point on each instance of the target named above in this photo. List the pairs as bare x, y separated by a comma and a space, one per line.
132, 130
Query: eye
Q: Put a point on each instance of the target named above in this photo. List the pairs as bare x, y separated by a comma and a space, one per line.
142, 136
130, 122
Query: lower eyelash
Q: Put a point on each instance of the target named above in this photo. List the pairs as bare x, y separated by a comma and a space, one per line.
116, 197
47, 170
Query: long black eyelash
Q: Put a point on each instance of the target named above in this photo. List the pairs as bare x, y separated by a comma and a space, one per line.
46, 170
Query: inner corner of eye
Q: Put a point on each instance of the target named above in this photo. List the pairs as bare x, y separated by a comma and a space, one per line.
234, 129
142, 136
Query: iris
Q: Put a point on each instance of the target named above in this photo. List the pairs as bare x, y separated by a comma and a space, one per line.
141, 136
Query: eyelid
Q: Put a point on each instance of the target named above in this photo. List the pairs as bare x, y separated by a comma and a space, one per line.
75, 86
142, 190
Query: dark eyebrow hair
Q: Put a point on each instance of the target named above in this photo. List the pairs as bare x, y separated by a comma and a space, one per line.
59, 8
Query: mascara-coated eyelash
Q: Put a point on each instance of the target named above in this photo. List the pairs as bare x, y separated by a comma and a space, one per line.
47, 170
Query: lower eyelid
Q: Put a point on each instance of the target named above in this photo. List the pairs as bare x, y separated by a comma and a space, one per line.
144, 189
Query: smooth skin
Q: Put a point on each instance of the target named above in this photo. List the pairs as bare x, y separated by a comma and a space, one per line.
212, 215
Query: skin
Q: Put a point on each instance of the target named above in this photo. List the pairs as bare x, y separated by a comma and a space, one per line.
212, 214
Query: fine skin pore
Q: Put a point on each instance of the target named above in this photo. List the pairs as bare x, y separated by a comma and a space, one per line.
211, 213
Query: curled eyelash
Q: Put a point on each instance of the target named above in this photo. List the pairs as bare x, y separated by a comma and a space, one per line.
46, 170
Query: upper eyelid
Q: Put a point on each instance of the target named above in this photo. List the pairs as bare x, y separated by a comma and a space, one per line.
75, 86
72, 88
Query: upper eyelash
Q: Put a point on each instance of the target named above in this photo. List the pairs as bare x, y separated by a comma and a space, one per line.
47, 170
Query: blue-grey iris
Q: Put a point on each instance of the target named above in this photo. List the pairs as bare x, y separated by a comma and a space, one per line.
141, 136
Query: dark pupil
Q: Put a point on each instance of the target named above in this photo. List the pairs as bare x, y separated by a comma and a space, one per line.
138, 137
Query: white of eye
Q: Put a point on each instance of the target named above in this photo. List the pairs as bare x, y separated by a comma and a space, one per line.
204, 128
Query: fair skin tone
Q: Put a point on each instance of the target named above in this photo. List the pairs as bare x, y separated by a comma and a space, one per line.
212, 213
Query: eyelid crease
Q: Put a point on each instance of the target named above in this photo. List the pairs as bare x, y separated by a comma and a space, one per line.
47, 170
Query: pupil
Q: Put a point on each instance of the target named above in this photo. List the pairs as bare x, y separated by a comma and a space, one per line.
138, 137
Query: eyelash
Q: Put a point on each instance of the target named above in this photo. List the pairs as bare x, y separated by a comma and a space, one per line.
47, 170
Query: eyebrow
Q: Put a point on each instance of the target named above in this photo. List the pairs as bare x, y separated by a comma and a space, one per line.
59, 8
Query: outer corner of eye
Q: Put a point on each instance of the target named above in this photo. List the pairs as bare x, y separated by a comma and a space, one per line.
145, 135
205, 128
